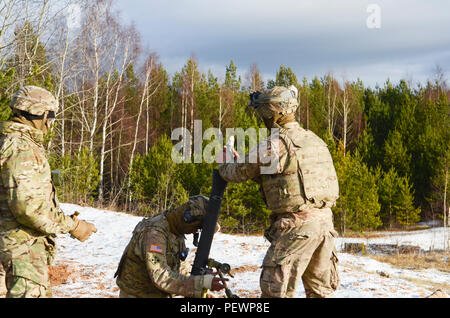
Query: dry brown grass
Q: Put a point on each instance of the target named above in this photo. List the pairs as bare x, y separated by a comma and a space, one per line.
432, 260
381, 233
431, 286
366, 235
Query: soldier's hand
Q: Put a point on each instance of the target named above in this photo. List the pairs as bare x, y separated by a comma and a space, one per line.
217, 284
82, 230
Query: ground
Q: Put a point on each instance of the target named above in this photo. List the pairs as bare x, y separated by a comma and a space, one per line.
86, 270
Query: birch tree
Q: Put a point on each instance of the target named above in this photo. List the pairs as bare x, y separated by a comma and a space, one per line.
145, 96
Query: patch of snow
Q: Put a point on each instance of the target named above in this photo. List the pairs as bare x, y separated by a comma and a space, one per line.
96, 260
428, 240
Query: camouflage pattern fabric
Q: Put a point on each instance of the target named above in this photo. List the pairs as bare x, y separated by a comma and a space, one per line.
241, 172
3, 289
29, 211
278, 100
308, 178
34, 100
303, 178
26, 274
300, 249
151, 266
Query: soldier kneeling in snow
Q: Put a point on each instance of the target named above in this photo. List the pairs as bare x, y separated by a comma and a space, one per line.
150, 264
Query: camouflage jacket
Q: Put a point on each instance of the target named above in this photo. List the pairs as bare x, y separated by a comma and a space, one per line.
151, 266
300, 174
29, 210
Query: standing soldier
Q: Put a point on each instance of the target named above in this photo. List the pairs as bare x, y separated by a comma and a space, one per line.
300, 192
151, 265
30, 216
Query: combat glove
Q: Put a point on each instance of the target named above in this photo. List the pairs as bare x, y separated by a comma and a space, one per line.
82, 230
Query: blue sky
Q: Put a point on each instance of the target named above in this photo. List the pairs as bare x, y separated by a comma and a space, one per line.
313, 37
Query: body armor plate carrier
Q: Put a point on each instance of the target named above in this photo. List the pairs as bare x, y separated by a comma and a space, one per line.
309, 179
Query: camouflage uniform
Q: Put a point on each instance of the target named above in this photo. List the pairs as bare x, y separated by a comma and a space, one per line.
29, 212
300, 194
151, 265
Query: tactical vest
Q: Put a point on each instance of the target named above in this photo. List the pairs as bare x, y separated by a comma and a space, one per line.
309, 179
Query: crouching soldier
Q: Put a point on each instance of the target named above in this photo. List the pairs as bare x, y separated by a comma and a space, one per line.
151, 263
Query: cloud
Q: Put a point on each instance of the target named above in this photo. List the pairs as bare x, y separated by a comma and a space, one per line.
312, 37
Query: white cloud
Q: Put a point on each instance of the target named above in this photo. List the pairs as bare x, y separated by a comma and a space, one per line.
310, 36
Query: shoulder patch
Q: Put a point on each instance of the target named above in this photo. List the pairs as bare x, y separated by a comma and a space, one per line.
156, 249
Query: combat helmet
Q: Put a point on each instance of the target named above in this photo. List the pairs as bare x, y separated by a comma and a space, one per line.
188, 218
35, 101
275, 103
197, 211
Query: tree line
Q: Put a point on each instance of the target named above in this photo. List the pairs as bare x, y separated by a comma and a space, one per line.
118, 107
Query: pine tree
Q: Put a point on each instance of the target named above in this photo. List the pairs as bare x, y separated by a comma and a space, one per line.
243, 209
396, 154
357, 208
6, 82
79, 176
390, 195
286, 77
232, 81
407, 214
154, 179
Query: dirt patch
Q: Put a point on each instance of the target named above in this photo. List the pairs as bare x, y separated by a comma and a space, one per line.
245, 268
248, 294
73, 280
60, 274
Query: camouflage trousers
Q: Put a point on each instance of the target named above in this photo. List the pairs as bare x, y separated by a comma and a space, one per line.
302, 247
24, 272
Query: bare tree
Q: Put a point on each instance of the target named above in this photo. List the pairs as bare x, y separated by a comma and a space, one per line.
254, 79
123, 44
65, 61
26, 29
349, 109
332, 90
146, 95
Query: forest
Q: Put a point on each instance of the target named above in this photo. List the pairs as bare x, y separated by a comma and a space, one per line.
119, 105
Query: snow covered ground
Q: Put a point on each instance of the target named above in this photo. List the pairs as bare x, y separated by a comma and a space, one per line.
88, 268
430, 239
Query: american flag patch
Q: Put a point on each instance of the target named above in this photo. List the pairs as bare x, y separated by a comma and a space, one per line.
156, 249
